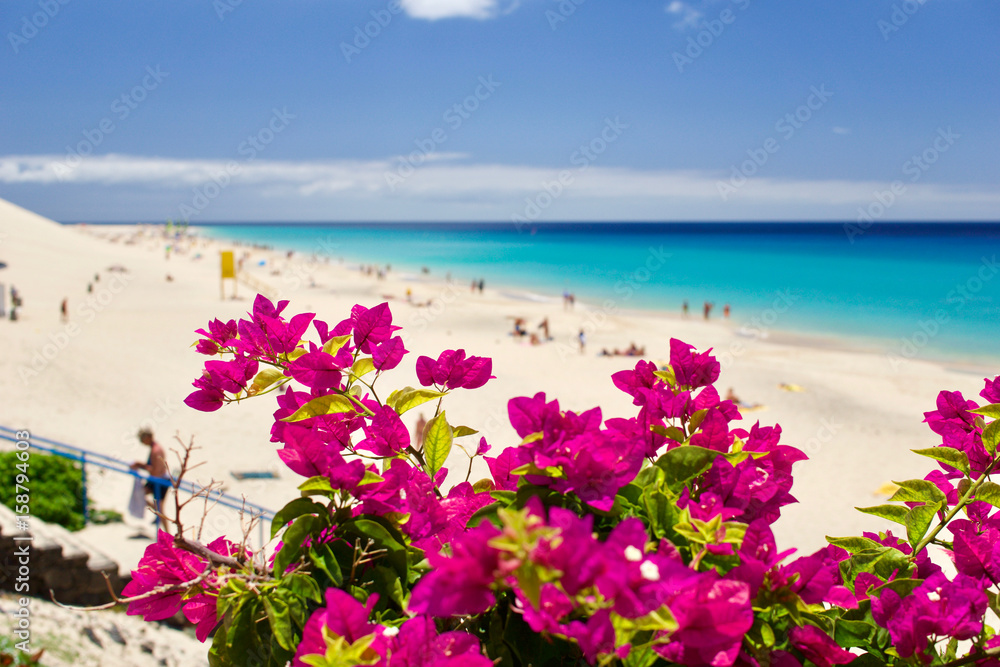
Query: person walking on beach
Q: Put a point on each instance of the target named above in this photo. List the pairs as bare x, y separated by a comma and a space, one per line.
544, 326
725, 311
708, 309
64, 310
583, 341
684, 309
159, 476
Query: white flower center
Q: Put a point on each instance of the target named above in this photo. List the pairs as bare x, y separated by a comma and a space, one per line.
390, 632
934, 596
649, 571
633, 554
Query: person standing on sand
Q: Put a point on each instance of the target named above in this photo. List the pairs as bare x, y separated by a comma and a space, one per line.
419, 430
64, 310
583, 341
159, 476
725, 311
708, 309
684, 309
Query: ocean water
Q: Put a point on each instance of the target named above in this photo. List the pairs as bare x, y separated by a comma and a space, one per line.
921, 290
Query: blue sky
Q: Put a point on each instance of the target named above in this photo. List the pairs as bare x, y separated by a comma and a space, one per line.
501, 109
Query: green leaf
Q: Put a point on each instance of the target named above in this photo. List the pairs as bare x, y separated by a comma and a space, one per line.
292, 543
317, 486
895, 513
901, 587
333, 345
882, 562
438, 439
850, 634
304, 587
919, 519
387, 581
918, 491
667, 376
409, 398
488, 513
281, 626
483, 486
462, 431
322, 556
363, 366
265, 379
989, 492
294, 510
682, 463
371, 478
953, 457
324, 405
854, 544
988, 411
991, 436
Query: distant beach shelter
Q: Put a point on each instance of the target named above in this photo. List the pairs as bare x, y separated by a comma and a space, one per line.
228, 271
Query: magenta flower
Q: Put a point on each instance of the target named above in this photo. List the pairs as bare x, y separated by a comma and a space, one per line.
991, 392
371, 326
387, 355
713, 614
165, 564
385, 434
453, 370
318, 370
161, 564
418, 644
819, 647
463, 583
218, 333
343, 616
692, 370
502, 465
937, 609
952, 414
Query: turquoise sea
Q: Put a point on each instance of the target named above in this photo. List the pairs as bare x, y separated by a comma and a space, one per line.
920, 290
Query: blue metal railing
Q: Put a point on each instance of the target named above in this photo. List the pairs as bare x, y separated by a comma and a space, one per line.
87, 457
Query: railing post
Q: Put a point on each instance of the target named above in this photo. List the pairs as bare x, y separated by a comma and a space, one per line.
83, 469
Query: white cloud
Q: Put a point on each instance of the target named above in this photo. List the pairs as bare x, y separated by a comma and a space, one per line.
432, 10
841, 130
448, 185
688, 16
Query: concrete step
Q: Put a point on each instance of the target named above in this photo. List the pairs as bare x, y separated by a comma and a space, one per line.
71, 568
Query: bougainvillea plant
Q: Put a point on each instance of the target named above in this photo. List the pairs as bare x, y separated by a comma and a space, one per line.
637, 541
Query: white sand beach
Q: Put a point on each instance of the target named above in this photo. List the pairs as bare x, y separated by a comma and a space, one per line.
123, 360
